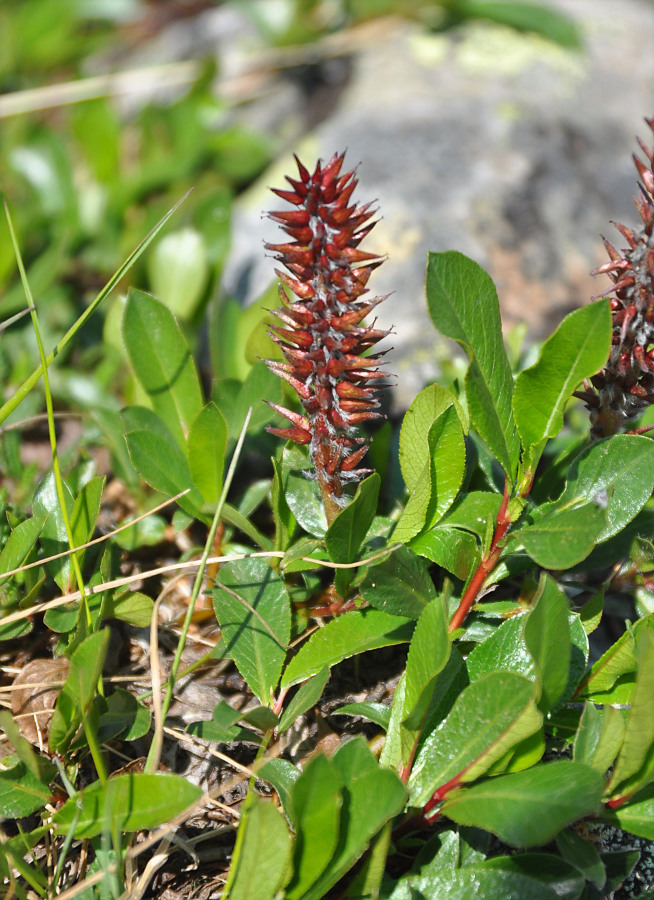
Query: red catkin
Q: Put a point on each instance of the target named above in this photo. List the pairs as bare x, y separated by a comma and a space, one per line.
321, 335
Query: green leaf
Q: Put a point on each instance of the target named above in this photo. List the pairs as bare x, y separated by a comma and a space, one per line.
545, 869
453, 549
550, 23
301, 493
128, 802
578, 349
162, 362
378, 713
207, 443
463, 306
253, 609
590, 613
488, 718
124, 717
615, 663
21, 792
348, 635
162, 464
400, 585
262, 853
471, 883
317, 799
282, 775
599, 736
634, 766
53, 534
432, 458
506, 649
374, 795
583, 856
79, 689
473, 511
547, 636
563, 537
132, 607
528, 809
19, 544
305, 698
348, 530
429, 651
636, 816
622, 469
282, 515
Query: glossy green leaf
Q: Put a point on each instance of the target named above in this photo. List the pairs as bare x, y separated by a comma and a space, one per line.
472, 512
463, 306
563, 537
471, 883
53, 538
429, 651
128, 802
21, 792
452, 549
348, 530
615, 663
253, 609
529, 808
162, 362
282, 775
578, 349
621, 469
374, 796
378, 713
301, 493
207, 443
489, 717
547, 636
262, 853
304, 699
432, 459
634, 766
349, 634
19, 544
545, 868
162, 464
400, 585
590, 613
599, 736
636, 816
506, 649
317, 799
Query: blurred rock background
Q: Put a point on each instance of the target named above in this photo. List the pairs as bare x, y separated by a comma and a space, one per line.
483, 138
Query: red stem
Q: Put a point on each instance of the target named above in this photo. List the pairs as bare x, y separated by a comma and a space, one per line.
487, 564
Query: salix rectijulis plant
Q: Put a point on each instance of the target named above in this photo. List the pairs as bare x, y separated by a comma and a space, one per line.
492, 559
